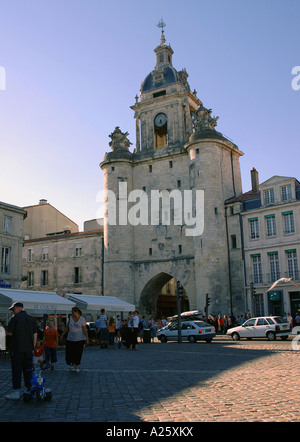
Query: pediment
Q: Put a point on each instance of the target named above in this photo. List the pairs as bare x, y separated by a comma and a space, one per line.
276, 180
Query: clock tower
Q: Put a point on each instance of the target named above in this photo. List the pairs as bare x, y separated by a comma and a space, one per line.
149, 245
164, 113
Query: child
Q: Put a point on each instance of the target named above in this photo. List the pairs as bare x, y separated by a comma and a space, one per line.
50, 344
38, 355
112, 332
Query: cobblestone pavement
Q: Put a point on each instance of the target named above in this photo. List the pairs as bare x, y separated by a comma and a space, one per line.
244, 381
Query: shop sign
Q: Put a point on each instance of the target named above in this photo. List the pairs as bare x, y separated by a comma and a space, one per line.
274, 296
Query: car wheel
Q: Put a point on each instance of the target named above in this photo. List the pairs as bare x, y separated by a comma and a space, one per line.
163, 338
208, 340
235, 336
271, 336
192, 339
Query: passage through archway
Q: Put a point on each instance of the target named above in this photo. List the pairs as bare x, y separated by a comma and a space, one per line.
159, 298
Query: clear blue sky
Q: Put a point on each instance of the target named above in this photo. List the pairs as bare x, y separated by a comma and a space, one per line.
73, 68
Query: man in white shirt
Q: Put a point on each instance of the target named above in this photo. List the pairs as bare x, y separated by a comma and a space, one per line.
102, 326
135, 320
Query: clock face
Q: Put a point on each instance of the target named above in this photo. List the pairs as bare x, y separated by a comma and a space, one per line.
160, 120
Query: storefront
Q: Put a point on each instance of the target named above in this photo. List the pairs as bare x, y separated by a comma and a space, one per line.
91, 305
41, 305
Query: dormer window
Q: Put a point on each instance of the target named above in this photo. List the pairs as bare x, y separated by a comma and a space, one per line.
269, 196
286, 193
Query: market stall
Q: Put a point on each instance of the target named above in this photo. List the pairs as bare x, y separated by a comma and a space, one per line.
38, 304
91, 305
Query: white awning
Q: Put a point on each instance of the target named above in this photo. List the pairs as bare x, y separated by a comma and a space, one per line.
35, 302
94, 303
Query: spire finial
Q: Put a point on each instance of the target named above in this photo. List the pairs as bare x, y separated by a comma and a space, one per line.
161, 24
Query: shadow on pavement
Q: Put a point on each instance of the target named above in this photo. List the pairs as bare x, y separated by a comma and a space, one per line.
116, 385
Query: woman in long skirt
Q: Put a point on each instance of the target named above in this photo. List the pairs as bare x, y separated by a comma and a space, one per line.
76, 338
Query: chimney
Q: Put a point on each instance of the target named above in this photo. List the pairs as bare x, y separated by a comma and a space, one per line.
254, 180
42, 201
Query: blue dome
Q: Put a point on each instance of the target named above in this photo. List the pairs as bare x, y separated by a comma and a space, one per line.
170, 76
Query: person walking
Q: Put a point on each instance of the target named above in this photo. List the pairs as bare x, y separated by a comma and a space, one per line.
151, 325
22, 330
135, 323
220, 324
77, 336
102, 326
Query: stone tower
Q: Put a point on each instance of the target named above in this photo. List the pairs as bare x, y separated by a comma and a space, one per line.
165, 201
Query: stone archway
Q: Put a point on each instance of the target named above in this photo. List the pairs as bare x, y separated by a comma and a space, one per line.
158, 297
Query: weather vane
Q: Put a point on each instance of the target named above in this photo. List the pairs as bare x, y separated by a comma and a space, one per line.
161, 24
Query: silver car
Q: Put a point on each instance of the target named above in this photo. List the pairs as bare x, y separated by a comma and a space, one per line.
263, 327
191, 331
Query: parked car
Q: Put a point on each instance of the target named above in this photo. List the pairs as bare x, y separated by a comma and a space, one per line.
191, 331
263, 327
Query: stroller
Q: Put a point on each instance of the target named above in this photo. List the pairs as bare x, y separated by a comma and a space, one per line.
37, 388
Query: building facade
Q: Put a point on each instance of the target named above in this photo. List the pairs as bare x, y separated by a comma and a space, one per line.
11, 243
44, 219
57, 257
64, 263
269, 217
165, 211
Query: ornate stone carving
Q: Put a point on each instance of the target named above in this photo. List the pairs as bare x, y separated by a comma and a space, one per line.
119, 141
203, 119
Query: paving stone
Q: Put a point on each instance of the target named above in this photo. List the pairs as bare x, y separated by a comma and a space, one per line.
224, 381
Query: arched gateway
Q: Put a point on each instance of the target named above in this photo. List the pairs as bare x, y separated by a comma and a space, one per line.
159, 297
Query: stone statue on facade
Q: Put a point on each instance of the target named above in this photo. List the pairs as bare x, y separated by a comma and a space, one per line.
203, 120
119, 141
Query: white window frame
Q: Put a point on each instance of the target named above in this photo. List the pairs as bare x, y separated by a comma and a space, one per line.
44, 278
274, 266
286, 192
288, 223
78, 250
292, 263
5, 260
45, 253
30, 279
30, 255
271, 230
253, 229
7, 225
257, 269
269, 196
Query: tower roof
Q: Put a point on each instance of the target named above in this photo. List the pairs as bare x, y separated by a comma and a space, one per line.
164, 74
